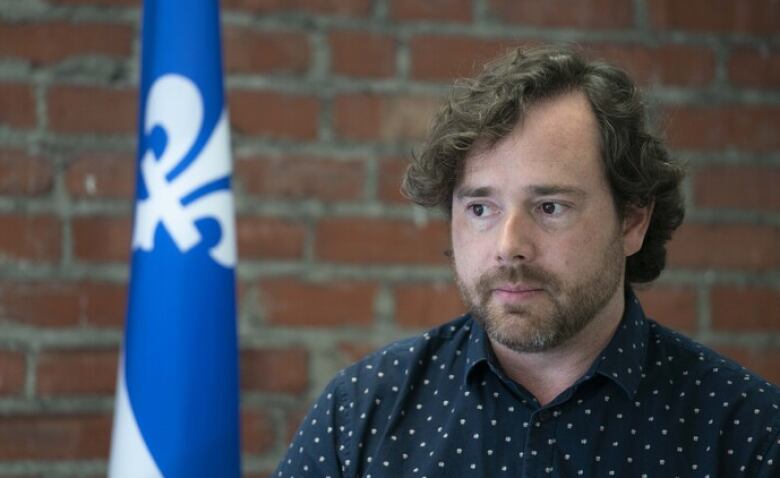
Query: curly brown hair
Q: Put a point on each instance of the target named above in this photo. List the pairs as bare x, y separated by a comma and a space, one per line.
639, 169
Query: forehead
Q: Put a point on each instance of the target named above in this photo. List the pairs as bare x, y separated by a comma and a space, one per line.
556, 143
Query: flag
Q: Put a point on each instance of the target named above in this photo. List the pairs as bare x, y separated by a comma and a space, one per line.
177, 412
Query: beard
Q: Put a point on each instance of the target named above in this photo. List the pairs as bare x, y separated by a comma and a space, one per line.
565, 308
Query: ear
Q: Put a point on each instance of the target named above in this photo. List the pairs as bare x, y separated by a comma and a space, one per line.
635, 224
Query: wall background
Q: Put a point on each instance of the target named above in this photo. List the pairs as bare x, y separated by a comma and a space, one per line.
327, 98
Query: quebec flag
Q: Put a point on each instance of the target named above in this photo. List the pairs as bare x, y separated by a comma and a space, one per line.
177, 408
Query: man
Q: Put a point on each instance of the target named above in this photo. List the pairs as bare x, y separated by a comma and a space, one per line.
559, 199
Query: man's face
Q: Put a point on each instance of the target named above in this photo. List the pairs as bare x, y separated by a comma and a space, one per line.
539, 250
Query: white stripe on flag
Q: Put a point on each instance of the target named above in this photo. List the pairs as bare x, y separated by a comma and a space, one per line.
130, 457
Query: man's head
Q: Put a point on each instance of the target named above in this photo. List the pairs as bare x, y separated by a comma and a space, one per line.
557, 192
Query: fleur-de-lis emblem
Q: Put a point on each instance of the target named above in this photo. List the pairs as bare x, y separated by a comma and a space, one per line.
176, 105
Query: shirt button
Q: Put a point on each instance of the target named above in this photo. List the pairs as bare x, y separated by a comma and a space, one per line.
544, 415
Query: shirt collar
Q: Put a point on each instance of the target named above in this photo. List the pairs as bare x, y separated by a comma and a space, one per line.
621, 361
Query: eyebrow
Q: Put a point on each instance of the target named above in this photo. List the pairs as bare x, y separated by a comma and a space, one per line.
535, 190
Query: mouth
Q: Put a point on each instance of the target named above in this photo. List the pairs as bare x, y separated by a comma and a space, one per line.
516, 293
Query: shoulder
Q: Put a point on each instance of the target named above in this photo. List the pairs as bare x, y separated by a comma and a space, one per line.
407, 356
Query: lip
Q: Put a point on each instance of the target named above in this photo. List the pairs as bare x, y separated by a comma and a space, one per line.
516, 293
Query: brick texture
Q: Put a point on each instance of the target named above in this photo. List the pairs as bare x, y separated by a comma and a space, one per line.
710, 128
738, 187
101, 238
302, 304
369, 117
101, 175
736, 308
53, 42
379, 241
250, 51
757, 16
586, 14
85, 109
328, 100
427, 305
726, 246
54, 436
269, 238
24, 175
758, 68
274, 370
362, 54
673, 307
17, 106
77, 372
289, 177
440, 10
63, 304
274, 115
12, 372
30, 238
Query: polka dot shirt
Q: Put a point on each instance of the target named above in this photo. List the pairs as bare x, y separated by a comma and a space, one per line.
653, 404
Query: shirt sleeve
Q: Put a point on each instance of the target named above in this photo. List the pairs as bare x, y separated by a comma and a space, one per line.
319, 447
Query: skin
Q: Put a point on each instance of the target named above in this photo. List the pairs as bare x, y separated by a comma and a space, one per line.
538, 247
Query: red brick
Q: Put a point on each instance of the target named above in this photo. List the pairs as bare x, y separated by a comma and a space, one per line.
58, 304
290, 177
76, 372
354, 351
674, 307
103, 175
17, 106
755, 68
34, 238
391, 172
91, 109
715, 128
102, 238
738, 187
362, 53
387, 118
289, 302
438, 10
250, 51
666, 64
12, 372
24, 175
107, 3
745, 309
263, 238
725, 246
588, 14
755, 17
276, 115
427, 305
43, 43
432, 56
277, 370
54, 436
257, 432
294, 421
762, 361
352, 8
377, 241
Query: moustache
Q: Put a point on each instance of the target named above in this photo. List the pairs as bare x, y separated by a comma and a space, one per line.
517, 274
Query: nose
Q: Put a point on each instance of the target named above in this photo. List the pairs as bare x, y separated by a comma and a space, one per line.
515, 240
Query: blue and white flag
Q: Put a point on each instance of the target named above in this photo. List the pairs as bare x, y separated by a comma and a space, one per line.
177, 405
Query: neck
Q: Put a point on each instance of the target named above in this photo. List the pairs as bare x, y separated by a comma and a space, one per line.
546, 374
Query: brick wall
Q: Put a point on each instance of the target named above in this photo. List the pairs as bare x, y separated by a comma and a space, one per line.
327, 98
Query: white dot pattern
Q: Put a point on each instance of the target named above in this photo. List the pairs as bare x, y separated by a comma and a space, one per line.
654, 404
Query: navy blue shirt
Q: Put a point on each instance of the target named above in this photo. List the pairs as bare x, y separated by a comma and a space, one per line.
653, 404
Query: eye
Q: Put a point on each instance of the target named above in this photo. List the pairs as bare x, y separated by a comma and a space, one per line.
480, 209
550, 208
